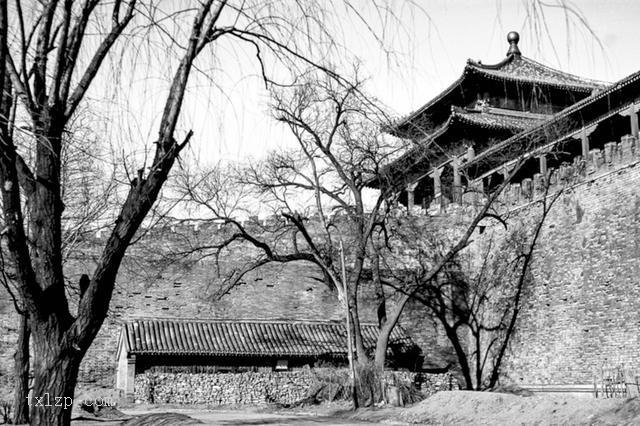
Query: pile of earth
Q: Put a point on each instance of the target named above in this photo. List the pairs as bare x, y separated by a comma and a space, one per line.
162, 419
492, 408
99, 413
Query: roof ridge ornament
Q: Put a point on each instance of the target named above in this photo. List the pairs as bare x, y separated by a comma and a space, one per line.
513, 38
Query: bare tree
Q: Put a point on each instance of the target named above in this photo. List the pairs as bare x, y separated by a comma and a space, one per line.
45, 77
478, 296
87, 196
60, 338
339, 147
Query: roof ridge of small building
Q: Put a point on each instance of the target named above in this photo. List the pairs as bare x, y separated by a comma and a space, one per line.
242, 338
495, 117
239, 320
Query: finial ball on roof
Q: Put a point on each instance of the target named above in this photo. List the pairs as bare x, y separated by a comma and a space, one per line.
513, 38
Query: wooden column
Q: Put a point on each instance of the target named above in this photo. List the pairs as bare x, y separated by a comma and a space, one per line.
584, 137
543, 164
632, 113
437, 185
633, 118
131, 376
457, 181
505, 173
411, 196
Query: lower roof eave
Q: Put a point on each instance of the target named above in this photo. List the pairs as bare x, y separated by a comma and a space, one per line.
235, 354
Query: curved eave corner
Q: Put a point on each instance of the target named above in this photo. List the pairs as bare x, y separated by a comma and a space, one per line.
567, 113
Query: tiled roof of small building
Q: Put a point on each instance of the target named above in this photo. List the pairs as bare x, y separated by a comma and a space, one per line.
245, 338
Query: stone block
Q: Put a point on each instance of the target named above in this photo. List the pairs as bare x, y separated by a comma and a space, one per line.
634, 142
610, 152
527, 188
538, 183
515, 193
596, 158
553, 177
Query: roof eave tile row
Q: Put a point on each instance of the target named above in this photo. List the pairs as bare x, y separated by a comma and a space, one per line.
557, 79
577, 110
243, 338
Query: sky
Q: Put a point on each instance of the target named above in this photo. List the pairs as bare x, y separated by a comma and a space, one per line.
431, 43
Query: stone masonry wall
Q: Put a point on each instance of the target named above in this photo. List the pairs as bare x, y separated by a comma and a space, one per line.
257, 388
583, 312
292, 291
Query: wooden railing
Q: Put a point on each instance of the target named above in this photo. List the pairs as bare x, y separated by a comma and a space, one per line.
616, 382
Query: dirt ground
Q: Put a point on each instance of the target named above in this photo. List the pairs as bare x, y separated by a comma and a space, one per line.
242, 417
487, 408
443, 408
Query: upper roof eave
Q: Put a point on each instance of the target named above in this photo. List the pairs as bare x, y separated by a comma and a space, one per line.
573, 82
559, 117
489, 71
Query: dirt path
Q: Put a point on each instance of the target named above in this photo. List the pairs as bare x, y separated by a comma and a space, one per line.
443, 408
498, 409
239, 417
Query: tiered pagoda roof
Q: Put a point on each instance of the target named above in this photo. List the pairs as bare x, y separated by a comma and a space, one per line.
434, 148
519, 68
589, 111
476, 77
486, 105
494, 118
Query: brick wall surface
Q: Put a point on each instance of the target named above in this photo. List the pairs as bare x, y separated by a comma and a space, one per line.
582, 312
291, 291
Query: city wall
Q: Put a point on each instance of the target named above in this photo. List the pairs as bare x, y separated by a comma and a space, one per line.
581, 314
152, 285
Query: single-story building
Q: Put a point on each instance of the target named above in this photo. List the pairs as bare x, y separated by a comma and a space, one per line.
222, 345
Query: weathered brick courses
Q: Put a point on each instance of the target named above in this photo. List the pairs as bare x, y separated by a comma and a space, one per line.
583, 310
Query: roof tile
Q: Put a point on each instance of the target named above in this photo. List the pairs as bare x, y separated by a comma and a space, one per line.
520, 68
243, 337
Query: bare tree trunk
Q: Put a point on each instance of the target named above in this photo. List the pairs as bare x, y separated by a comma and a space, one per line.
454, 339
382, 342
21, 373
55, 378
383, 337
386, 329
361, 354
